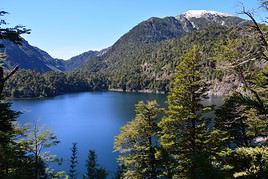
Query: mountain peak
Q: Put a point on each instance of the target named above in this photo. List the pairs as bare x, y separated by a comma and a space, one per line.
203, 13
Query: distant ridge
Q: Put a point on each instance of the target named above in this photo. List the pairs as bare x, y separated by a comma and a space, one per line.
151, 31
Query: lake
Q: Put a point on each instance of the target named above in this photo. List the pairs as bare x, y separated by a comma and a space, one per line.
92, 119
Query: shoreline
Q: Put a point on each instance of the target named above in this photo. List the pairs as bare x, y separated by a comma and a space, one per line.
137, 91
210, 93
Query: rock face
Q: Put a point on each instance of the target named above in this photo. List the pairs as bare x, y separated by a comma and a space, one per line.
224, 86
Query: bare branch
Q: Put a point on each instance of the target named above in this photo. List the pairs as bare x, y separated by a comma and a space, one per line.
11, 73
256, 26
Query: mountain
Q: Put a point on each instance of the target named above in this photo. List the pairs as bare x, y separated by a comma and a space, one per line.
203, 18
33, 58
29, 57
76, 61
145, 57
147, 33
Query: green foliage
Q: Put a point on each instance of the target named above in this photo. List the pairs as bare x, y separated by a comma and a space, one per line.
246, 162
185, 135
134, 66
73, 161
12, 158
243, 117
93, 169
33, 84
137, 143
35, 142
10, 33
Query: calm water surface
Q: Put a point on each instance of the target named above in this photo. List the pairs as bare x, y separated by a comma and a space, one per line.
91, 119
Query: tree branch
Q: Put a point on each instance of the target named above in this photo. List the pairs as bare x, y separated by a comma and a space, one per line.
11, 73
249, 88
256, 26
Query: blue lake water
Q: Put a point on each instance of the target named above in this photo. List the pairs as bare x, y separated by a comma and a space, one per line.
92, 119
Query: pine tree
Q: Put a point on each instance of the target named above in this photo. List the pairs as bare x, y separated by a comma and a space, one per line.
91, 165
137, 143
93, 169
73, 161
185, 135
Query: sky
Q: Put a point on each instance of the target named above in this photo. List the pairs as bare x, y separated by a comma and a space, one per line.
65, 28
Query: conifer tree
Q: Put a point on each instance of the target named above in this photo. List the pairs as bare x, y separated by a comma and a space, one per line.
185, 135
91, 165
93, 169
73, 161
137, 143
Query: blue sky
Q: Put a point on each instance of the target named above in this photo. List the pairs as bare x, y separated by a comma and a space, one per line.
65, 28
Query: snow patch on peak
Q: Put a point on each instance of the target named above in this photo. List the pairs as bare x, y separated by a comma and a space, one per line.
202, 13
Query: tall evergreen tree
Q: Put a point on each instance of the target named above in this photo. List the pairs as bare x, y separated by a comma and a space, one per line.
91, 165
137, 142
93, 169
185, 135
73, 161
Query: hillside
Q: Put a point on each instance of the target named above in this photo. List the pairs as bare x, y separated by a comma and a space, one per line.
29, 57
145, 58
76, 61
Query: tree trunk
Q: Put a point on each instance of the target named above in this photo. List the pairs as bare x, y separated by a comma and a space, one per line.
1, 79
152, 158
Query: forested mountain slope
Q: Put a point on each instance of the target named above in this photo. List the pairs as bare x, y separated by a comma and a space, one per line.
145, 58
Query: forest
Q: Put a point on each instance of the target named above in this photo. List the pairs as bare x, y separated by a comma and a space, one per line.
178, 141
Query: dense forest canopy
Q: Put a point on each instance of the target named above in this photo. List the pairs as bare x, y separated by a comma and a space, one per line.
148, 67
